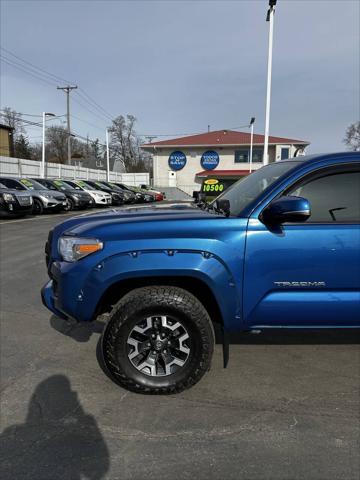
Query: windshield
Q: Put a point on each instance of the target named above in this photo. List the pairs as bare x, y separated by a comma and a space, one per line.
32, 185
85, 185
61, 185
102, 186
247, 189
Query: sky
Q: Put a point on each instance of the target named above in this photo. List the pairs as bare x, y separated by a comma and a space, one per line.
179, 66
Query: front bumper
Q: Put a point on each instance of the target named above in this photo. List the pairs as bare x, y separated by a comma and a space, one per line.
48, 299
13, 209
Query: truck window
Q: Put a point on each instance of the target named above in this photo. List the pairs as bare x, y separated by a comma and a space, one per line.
333, 198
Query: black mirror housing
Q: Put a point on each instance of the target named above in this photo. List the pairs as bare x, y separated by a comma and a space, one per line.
223, 205
286, 209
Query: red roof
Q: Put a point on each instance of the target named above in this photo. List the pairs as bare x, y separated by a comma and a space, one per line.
223, 137
223, 173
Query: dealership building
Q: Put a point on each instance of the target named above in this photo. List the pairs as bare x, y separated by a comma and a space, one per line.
184, 162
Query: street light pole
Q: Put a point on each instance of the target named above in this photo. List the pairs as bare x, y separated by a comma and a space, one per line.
270, 19
42, 170
107, 157
252, 121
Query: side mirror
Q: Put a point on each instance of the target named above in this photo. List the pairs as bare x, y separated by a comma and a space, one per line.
199, 197
223, 205
286, 209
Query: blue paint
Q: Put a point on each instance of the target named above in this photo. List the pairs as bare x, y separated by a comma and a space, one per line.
177, 160
210, 160
239, 258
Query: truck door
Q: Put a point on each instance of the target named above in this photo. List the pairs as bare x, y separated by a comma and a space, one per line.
308, 274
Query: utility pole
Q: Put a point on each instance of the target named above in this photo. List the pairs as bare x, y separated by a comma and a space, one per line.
270, 19
252, 121
67, 90
107, 157
150, 138
42, 169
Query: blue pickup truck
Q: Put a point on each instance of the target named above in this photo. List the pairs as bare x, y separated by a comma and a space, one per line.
279, 249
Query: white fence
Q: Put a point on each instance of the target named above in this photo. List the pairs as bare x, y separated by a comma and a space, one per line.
18, 167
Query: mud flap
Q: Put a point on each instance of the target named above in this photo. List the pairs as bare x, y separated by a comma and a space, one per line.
225, 339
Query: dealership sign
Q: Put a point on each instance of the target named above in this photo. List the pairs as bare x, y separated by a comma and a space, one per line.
177, 160
210, 160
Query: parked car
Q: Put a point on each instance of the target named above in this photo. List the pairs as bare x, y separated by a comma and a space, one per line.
141, 197
43, 198
159, 196
101, 199
278, 249
14, 203
128, 195
74, 198
117, 197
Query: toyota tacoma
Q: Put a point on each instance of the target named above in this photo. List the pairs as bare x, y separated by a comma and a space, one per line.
278, 249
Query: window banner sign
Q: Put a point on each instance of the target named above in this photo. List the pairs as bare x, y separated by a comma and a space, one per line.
210, 160
177, 160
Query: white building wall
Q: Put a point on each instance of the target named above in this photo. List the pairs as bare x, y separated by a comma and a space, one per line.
186, 178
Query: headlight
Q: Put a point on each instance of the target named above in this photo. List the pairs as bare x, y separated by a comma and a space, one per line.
8, 197
75, 248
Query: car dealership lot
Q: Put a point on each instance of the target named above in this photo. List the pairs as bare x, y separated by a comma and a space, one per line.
287, 407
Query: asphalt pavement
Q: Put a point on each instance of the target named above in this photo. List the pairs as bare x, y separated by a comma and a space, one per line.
287, 406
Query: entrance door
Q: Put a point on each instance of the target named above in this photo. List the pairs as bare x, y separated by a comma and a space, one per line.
285, 151
308, 274
172, 179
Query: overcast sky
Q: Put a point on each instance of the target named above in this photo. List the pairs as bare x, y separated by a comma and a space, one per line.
179, 66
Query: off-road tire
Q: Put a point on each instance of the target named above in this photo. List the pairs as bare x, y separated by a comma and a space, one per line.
142, 303
38, 207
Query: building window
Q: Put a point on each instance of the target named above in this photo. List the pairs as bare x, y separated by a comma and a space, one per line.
243, 155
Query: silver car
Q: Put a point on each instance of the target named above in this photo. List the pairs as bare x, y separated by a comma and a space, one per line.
43, 198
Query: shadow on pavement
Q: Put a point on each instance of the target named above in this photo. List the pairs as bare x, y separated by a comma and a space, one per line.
293, 337
80, 332
58, 439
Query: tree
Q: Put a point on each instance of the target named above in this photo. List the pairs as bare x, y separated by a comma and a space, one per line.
352, 137
56, 145
22, 148
13, 119
125, 145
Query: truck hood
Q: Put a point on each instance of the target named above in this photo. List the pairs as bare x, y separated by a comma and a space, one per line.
119, 219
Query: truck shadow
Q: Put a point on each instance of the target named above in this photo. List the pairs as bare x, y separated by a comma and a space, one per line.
81, 332
293, 337
58, 439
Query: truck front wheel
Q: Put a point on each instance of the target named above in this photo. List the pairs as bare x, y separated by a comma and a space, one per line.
158, 340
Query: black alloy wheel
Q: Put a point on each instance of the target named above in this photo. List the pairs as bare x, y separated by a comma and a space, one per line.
158, 340
38, 207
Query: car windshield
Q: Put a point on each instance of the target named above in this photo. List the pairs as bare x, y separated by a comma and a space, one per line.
245, 190
85, 185
102, 186
115, 187
59, 184
32, 185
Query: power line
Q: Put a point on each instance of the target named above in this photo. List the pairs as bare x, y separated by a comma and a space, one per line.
51, 79
35, 66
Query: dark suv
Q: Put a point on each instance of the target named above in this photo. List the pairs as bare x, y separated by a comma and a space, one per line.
14, 203
74, 198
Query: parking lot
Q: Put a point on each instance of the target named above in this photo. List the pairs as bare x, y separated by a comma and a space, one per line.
287, 406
